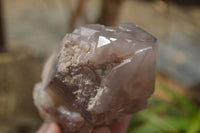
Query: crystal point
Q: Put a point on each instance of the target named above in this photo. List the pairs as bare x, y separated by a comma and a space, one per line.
96, 76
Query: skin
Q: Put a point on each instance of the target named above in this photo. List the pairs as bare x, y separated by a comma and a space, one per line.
119, 127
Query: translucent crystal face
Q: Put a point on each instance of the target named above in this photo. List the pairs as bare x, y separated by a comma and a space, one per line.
97, 75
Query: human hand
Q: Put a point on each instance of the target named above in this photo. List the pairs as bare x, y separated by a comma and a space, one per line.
118, 127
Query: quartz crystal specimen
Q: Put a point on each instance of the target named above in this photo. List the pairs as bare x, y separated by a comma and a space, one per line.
96, 76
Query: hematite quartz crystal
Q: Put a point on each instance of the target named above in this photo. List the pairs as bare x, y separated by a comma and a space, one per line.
96, 76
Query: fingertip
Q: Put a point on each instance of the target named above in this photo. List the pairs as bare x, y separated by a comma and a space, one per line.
53, 128
101, 130
121, 126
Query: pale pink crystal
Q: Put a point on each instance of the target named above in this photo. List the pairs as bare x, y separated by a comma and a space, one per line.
96, 76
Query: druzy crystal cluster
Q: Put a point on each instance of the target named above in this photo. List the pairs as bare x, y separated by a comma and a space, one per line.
96, 76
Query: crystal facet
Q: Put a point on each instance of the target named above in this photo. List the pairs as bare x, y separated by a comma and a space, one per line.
97, 75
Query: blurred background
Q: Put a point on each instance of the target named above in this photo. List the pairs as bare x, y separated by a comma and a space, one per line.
31, 29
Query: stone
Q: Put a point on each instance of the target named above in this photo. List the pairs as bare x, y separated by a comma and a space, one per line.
96, 76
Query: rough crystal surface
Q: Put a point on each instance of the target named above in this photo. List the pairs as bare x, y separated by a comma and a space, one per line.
97, 75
